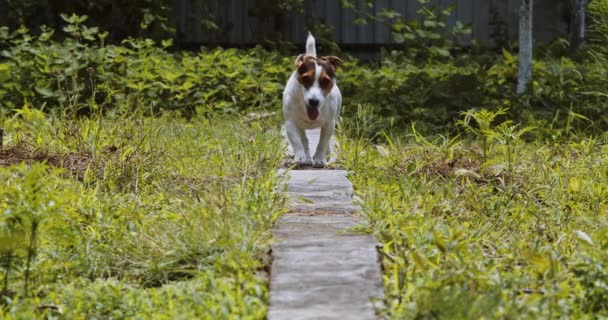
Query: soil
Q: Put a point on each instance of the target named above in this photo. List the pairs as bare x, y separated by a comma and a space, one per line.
74, 162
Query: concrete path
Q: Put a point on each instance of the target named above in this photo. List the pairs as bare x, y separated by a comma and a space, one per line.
321, 269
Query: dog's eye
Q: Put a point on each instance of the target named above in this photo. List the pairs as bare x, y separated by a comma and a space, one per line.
306, 80
324, 82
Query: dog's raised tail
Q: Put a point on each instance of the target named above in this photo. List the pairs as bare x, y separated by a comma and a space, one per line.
311, 49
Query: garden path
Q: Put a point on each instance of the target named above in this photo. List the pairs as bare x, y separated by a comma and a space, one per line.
321, 269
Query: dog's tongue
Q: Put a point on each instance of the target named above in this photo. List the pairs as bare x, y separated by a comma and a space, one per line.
313, 113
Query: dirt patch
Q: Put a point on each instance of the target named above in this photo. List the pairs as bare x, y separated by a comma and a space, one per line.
446, 168
437, 167
74, 162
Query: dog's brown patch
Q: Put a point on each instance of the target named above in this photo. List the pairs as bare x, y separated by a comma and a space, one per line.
332, 62
326, 81
329, 64
306, 70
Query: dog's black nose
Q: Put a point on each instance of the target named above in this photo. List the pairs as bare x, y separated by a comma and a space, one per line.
313, 102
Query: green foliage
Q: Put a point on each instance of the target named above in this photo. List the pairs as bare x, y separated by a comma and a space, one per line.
151, 18
82, 75
461, 239
434, 93
148, 216
424, 39
484, 119
168, 216
430, 38
598, 27
28, 196
591, 269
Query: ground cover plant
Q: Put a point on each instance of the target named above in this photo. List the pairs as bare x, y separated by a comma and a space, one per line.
491, 223
127, 216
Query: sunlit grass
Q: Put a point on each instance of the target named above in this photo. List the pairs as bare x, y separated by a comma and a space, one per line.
472, 227
155, 216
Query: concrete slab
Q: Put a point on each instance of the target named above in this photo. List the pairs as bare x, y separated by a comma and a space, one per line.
321, 268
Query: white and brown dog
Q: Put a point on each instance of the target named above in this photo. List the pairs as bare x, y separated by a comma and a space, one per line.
312, 100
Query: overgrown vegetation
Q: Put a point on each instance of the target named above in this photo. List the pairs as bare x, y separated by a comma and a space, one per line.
598, 29
84, 75
503, 214
485, 224
127, 216
123, 19
134, 186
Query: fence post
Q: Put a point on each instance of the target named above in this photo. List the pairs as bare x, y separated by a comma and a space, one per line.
578, 23
524, 76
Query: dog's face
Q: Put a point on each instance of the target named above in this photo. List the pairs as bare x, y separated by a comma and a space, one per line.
317, 77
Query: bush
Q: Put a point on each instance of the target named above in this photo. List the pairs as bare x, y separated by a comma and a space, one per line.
149, 18
82, 75
598, 26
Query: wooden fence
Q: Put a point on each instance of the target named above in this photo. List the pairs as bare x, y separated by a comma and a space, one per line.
241, 24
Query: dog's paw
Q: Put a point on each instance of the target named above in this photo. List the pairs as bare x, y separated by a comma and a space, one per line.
319, 163
303, 160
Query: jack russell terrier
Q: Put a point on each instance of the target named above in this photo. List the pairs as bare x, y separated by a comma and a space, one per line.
312, 100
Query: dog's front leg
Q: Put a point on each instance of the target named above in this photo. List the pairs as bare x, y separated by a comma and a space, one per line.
299, 143
319, 160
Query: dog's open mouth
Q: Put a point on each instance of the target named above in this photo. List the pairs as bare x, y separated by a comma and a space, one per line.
313, 112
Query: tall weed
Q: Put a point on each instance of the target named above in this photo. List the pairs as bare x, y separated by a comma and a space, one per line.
459, 241
144, 213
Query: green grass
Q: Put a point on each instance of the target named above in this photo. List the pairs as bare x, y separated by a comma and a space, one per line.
124, 216
521, 234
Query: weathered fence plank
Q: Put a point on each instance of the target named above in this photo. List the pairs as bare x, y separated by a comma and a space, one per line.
241, 27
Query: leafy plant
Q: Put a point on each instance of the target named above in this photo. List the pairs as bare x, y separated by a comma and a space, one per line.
152, 18
508, 135
484, 119
459, 243
30, 202
598, 29
431, 38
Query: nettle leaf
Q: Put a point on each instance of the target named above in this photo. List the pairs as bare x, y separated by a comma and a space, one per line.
389, 13
540, 262
440, 51
360, 21
4, 72
430, 23
46, 92
398, 37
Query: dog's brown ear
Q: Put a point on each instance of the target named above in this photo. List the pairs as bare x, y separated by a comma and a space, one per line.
303, 58
334, 61
299, 60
